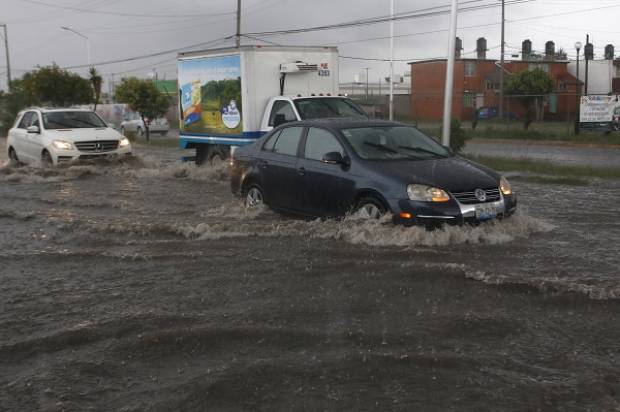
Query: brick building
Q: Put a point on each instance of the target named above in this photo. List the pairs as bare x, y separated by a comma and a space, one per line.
476, 85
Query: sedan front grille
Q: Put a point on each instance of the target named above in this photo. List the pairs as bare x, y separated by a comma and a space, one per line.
97, 146
469, 198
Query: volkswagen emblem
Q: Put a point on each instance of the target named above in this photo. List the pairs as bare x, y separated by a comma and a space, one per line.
480, 194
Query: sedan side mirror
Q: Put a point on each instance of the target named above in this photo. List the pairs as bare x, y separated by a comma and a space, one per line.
336, 158
33, 129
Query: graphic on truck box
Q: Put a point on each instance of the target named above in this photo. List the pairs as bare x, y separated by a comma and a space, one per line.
211, 95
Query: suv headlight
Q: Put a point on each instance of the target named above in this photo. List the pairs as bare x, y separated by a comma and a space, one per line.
62, 145
424, 193
123, 142
504, 186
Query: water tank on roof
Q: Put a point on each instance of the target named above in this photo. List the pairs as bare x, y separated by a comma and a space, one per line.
481, 48
609, 52
526, 49
550, 50
588, 51
458, 48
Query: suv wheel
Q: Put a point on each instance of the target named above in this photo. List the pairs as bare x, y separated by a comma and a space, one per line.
46, 158
12, 155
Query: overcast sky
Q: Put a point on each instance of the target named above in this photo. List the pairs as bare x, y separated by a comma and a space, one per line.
119, 29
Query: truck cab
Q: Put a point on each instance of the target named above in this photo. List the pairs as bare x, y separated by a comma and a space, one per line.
284, 109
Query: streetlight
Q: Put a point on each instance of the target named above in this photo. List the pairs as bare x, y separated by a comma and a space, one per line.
82, 36
577, 89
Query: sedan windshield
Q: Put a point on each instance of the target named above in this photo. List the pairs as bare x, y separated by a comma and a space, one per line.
72, 120
393, 142
321, 108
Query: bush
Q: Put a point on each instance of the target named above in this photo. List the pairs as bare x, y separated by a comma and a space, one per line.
458, 136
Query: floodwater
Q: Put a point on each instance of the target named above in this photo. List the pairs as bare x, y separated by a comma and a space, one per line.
568, 154
145, 285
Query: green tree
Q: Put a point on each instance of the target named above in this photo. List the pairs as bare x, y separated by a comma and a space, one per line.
530, 87
95, 81
46, 86
142, 97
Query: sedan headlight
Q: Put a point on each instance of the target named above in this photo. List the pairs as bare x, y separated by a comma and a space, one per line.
504, 186
124, 142
424, 193
62, 145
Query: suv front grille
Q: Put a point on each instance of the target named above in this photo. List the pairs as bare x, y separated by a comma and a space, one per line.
97, 146
469, 198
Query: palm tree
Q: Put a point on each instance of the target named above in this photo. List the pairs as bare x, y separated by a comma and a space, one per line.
95, 80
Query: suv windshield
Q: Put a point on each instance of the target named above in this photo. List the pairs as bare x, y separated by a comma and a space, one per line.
393, 142
72, 120
321, 108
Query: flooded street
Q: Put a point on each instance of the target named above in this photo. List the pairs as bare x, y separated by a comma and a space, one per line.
561, 153
145, 285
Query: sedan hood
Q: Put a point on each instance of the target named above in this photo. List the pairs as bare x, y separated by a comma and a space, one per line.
84, 135
453, 174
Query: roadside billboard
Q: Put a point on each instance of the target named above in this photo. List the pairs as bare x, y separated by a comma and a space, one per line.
598, 108
210, 95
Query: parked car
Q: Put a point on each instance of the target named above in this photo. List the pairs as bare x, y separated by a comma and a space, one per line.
487, 113
54, 136
328, 168
132, 122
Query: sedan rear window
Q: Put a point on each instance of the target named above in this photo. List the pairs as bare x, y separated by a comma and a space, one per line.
288, 141
72, 120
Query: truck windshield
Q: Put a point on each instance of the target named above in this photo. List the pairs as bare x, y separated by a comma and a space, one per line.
72, 120
325, 107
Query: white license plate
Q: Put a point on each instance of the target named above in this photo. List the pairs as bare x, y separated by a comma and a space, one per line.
486, 211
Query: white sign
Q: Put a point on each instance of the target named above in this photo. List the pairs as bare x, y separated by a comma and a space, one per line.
598, 109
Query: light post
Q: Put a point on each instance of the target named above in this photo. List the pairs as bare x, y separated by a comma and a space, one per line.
82, 36
577, 90
367, 68
447, 99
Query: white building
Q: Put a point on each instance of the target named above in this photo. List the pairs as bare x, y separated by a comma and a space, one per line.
603, 75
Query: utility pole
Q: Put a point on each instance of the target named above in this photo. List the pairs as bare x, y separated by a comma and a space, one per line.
447, 99
238, 36
8, 60
587, 57
391, 61
367, 68
577, 90
501, 66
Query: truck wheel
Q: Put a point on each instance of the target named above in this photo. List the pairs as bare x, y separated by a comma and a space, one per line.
211, 155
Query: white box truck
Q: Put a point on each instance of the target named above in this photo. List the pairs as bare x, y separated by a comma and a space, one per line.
231, 97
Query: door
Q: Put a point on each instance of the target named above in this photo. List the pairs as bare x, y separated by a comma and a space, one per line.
278, 169
32, 142
327, 189
19, 136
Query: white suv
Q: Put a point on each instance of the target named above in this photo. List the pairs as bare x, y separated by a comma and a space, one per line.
54, 136
132, 122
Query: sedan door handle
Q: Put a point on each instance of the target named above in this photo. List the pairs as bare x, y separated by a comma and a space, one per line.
262, 164
301, 171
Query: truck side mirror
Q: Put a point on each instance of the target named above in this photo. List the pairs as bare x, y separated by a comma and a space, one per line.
278, 120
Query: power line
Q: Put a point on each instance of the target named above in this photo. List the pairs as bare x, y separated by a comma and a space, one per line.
112, 13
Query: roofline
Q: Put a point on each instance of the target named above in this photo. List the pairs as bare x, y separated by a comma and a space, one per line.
492, 60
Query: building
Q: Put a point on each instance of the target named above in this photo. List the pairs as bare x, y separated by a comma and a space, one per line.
603, 75
477, 80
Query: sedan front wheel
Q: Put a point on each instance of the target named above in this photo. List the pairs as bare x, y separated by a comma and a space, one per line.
254, 197
369, 208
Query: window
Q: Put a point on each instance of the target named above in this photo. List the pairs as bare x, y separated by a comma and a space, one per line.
562, 86
25, 121
72, 120
271, 142
322, 107
288, 141
469, 100
282, 107
319, 142
542, 66
470, 69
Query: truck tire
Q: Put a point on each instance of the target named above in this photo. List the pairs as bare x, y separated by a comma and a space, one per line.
211, 155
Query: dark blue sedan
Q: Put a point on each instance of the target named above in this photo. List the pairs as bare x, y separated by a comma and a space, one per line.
328, 168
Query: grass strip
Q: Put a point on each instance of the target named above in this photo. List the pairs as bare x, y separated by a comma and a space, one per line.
552, 180
546, 168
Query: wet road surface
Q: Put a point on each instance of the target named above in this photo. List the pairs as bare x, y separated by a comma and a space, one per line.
145, 286
568, 154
